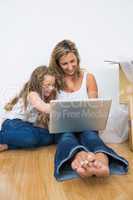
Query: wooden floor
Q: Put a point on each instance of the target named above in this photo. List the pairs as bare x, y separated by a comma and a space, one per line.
28, 175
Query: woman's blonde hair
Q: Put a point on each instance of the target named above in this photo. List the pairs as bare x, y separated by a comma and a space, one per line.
63, 48
34, 84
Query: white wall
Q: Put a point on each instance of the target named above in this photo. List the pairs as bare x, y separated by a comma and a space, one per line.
29, 29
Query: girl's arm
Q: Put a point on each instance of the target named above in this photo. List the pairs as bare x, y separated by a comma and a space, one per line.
35, 100
92, 86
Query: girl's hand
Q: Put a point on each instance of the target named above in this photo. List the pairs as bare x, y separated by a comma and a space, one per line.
38, 103
47, 108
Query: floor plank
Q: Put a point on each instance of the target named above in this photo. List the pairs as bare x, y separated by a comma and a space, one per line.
28, 175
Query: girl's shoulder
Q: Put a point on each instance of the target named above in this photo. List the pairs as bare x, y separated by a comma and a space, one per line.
33, 98
32, 95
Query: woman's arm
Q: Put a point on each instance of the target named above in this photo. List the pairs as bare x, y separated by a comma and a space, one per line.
35, 100
92, 86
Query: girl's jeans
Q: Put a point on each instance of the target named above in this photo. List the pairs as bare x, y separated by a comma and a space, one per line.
18, 134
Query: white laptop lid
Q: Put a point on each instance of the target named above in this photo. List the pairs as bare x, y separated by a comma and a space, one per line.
76, 116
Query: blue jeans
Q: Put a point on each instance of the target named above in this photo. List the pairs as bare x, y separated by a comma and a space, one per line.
18, 134
69, 144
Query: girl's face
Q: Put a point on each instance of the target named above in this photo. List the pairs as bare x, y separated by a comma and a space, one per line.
48, 85
69, 64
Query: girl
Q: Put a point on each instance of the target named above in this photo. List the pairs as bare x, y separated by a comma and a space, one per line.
27, 119
20, 128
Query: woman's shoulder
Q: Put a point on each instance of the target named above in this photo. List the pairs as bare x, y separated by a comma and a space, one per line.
91, 81
90, 76
91, 85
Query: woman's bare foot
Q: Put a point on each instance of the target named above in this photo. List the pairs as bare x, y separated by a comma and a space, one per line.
87, 164
82, 163
3, 147
101, 165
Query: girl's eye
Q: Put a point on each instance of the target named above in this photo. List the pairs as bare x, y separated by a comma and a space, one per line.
49, 86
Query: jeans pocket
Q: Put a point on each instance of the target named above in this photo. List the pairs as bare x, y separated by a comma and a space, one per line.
12, 124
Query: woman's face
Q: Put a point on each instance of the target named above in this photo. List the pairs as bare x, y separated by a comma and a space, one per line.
69, 64
48, 85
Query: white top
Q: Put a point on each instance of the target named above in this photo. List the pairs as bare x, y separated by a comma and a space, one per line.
80, 94
18, 112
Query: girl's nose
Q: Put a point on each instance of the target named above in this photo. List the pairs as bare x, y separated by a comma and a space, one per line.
51, 87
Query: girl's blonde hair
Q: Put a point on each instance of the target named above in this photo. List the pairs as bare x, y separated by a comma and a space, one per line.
34, 84
63, 48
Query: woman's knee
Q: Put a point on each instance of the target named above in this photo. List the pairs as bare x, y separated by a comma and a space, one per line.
91, 135
67, 136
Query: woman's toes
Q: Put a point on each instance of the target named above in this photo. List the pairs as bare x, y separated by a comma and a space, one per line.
90, 157
90, 164
103, 171
74, 165
84, 157
80, 171
98, 164
84, 172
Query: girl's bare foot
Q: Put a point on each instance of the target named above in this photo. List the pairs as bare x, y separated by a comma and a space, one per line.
3, 147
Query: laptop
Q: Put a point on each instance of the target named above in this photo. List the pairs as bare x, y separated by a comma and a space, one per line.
77, 116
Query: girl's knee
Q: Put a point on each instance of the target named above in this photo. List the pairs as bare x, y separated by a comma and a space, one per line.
30, 142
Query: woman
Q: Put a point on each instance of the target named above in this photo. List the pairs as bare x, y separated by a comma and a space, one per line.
83, 154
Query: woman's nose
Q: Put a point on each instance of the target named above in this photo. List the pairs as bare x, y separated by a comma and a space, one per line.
70, 67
